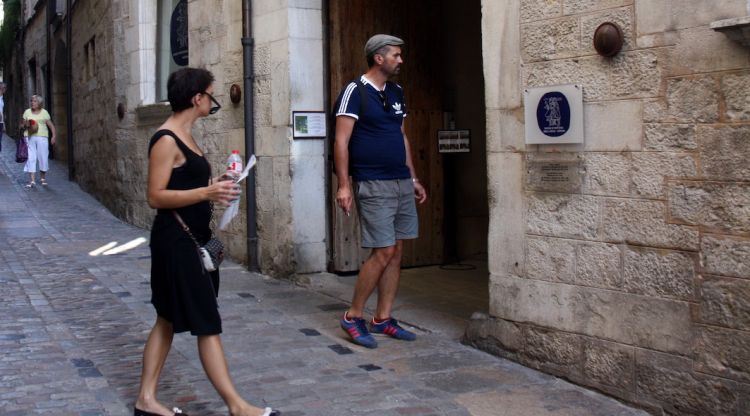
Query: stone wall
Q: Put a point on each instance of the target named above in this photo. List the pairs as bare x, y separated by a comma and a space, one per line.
35, 49
636, 282
97, 148
272, 103
135, 31
215, 33
22, 84
291, 173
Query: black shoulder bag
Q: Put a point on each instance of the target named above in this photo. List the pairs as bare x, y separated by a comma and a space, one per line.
211, 253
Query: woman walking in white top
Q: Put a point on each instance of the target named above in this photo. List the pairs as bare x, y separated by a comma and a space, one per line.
38, 125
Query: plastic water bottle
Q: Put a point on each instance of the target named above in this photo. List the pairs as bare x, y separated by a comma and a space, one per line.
234, 165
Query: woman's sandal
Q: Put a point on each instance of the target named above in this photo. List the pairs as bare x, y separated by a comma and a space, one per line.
270, 412
43, 182
30, 185
139, 412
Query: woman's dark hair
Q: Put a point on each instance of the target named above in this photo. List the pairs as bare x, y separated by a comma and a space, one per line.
184, 83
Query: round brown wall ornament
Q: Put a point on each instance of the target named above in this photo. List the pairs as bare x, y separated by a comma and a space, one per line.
608, 39
235, 93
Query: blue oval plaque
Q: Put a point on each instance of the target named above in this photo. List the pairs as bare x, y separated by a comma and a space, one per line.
553, 114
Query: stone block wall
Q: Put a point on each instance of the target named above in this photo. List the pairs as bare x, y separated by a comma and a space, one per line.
272, 103
215, 33
292, 217
35, 42
112, 152
635, 282
95, 123
135, 32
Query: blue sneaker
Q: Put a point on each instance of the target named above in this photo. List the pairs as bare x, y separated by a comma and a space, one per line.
357, 329
391, 328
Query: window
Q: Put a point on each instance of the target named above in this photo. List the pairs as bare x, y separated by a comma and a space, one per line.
171, 42
89, 50
32, 85
42, 89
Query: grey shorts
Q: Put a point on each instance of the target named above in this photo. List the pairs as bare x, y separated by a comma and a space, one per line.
387, 211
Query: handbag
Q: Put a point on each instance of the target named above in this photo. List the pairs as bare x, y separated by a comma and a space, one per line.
33, 127
211, 253
22, 150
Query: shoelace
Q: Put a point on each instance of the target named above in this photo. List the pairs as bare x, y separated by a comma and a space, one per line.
394, 323
361, 326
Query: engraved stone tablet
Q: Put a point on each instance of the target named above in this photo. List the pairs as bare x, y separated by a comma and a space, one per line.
563, 175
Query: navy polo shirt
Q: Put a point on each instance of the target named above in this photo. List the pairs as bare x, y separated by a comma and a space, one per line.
376, 147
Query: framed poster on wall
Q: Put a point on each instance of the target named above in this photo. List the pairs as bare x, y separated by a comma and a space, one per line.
309, 124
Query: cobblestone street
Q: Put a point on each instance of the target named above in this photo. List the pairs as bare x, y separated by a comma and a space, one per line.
73, 323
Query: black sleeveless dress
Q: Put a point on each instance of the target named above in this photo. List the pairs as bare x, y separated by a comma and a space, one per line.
182, 292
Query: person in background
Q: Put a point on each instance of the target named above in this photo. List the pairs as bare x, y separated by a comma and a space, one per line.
39, 133
2, 113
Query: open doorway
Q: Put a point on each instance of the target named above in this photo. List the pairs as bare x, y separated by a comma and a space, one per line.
59, 100
443, 83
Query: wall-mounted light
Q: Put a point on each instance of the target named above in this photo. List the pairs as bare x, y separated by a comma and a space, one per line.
608, 39
235, 93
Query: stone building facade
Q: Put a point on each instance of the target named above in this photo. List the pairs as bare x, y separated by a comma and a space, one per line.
635, 282
288, 240
116, 108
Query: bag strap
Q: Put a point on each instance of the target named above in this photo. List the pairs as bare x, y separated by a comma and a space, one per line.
398, 89
198, 246
186, 228
362, 95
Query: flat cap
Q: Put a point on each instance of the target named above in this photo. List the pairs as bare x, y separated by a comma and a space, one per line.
378, 41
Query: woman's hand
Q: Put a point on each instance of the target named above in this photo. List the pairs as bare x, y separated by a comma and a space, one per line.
224, 192
52, 130
224, 177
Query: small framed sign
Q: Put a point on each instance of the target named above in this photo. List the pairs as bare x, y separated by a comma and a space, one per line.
454, 141
554, 114
309, 124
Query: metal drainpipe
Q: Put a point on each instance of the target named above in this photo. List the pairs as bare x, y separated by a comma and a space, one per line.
69, 87
249, 80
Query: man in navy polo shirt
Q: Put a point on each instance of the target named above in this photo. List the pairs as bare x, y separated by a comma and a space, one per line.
372, 148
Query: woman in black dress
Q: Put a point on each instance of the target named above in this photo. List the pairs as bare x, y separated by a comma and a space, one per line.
183, 293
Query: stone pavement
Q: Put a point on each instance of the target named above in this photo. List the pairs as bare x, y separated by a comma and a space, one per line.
73, 322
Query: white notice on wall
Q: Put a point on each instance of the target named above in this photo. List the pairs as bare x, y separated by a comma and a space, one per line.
454, 141
309, 124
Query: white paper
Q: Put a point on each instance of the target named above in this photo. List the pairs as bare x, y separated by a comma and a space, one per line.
234, 207
250, 163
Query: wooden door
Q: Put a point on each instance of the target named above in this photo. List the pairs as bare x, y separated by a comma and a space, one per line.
351, 23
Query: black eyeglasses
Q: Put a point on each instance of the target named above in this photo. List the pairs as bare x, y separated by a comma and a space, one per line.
384, 100
215, 108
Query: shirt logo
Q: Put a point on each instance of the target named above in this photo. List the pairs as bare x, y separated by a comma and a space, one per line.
397, 107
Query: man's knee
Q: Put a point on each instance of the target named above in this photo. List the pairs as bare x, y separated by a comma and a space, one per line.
397, 251
385, 254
